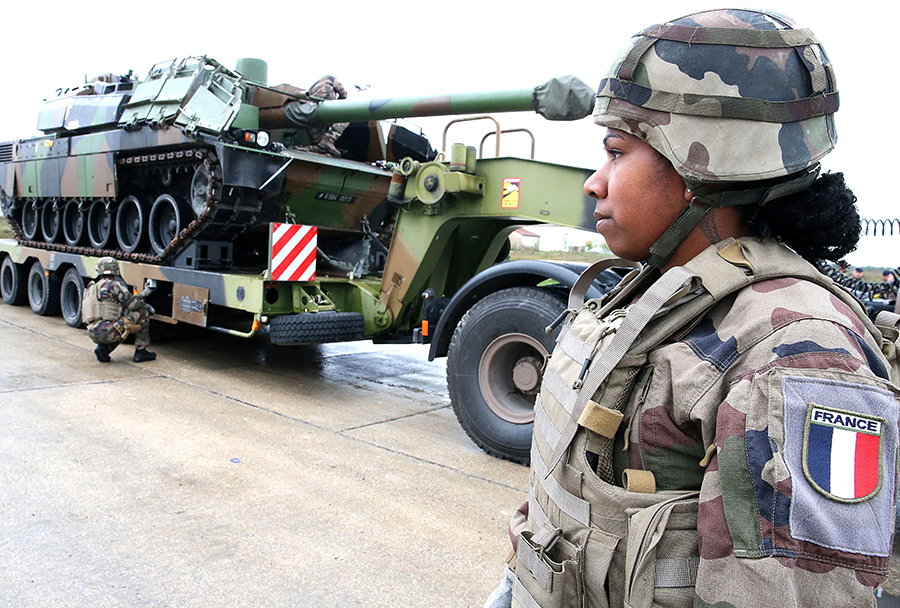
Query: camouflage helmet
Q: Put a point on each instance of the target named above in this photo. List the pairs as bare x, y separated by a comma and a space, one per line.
725, 95
107, 266
728, 96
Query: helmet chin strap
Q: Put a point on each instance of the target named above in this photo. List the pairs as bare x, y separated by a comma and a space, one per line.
705, 199
687, 220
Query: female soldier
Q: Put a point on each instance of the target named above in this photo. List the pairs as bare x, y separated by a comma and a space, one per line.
721, 429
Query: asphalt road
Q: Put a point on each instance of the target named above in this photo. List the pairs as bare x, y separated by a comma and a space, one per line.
232, 473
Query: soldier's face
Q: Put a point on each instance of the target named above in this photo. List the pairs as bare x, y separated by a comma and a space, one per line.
639, 194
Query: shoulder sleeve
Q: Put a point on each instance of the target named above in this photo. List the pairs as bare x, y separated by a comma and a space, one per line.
801, 492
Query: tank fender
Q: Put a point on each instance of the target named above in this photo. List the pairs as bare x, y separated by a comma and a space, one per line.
519, 273
251, 168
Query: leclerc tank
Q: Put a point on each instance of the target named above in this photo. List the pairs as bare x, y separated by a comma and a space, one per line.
187, 166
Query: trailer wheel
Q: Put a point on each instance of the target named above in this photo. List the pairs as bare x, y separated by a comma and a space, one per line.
494, 368
317, 328
13, 278
43, 291
71, 292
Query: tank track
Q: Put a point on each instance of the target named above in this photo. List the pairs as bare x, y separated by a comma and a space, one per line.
217, 219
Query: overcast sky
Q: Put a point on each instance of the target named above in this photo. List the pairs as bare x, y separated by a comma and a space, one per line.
417, 48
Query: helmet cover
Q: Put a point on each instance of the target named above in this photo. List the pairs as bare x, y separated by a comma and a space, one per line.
107, 266
725, 95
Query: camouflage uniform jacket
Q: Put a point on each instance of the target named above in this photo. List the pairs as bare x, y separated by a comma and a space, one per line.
327, 87
114, 289
758, 405
103, 331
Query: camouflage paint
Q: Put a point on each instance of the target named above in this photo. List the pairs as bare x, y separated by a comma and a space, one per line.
64, 114
331, 192
101, 145
519, 100
716, 416
250, 293
725, 95
464, 228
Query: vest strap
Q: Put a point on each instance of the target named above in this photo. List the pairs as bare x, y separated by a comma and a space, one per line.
573, 506
521, 597
673, 572
546, 537
638, 316
536, 512
571, 344
560, 389
543, 424
583, 284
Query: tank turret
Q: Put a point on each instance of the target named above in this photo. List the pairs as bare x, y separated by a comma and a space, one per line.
184, 166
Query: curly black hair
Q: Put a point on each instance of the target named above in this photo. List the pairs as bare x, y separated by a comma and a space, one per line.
820, 223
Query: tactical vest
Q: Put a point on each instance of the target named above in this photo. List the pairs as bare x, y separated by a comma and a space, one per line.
591, 541
94, 309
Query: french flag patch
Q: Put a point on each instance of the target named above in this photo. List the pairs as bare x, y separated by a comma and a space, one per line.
842, 453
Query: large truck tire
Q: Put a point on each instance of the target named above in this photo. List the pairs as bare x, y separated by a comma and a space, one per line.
317, 328
13, 280
71, 292
494, 367
43, 291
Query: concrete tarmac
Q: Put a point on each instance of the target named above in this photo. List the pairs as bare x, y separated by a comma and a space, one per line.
229, 472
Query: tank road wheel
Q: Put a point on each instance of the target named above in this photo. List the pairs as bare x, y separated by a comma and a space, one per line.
73, 223
70, 293
99, 224
130, 224
494, 368
31, 219
43, 291
13, 278
50, 221
165, 222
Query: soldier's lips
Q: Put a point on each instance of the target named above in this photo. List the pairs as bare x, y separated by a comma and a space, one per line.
602, 223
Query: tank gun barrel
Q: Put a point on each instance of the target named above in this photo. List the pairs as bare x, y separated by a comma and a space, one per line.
561, 98
341, 110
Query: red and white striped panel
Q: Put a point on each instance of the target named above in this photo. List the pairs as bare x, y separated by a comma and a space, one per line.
293, 252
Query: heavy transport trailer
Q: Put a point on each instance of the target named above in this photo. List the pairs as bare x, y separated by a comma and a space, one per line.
236, 303
192, 176
444, 283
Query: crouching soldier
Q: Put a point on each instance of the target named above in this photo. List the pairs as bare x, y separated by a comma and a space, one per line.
112, 313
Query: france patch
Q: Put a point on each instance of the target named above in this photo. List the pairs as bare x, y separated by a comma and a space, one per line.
842, 453
840, 448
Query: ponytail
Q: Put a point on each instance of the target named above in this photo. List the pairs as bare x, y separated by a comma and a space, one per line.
821, 223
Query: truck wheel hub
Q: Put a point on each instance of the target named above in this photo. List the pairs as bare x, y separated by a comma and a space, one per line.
527, 374
509, 373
